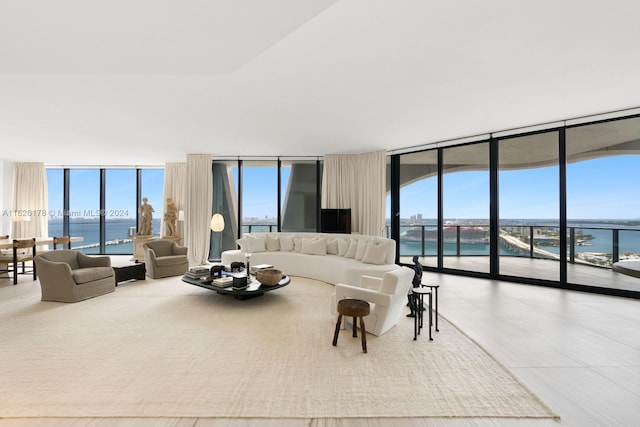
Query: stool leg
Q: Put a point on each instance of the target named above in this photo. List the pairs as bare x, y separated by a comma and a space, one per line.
430, 316
364, 335
335, 335
355, 327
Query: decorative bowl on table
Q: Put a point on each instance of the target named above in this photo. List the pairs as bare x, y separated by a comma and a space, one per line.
269, 276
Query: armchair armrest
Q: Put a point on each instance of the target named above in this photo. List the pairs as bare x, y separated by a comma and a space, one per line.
370, 295
48, 268
85, 261
370, 282
179, 250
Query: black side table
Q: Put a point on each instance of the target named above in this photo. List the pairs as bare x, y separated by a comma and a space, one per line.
434, 287
130, 272
418, 301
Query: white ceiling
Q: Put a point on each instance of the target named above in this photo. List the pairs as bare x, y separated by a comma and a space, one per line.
144, 82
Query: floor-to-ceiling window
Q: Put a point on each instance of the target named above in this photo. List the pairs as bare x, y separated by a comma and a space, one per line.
465, 187
119, 210
55, 194
151, 188
84, 208
419, 207
100, 205
529, 208
259, 195
603, 207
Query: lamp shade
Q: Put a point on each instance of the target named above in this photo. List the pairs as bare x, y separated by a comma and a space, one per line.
217, 222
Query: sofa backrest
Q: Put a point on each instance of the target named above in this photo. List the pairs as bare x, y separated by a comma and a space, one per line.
160, 247
68, 256
387, 246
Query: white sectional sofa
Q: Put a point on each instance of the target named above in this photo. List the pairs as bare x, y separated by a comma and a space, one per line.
332, 258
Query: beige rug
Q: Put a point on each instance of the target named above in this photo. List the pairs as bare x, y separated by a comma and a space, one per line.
164, 348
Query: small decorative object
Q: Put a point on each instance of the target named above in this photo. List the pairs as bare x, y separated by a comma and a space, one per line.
237, 266
216, 271
248, 258
269, 276
239, 280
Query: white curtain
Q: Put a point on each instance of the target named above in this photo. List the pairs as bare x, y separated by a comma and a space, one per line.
357, 182
30, 200
197, 207
174, 188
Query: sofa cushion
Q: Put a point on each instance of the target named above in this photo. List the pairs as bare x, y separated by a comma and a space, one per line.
314, 246
91, 274
362, 247
170, 260
376, 253
252, 244
353, 249
332, 246
343, 247
286, 243
297, 244
272, 243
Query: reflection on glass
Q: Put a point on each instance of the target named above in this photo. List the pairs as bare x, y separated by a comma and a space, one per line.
529, 206
298, 192
225, 202
465, 183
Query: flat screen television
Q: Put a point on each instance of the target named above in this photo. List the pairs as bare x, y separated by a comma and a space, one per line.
335, 221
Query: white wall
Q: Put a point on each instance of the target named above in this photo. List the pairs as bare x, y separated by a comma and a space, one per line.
6, 196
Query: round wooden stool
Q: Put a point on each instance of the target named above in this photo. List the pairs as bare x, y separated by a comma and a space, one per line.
352, 308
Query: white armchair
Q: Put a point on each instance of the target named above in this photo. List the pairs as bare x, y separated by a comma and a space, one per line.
387, 297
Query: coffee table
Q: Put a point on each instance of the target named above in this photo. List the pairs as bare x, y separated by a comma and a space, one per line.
254, 289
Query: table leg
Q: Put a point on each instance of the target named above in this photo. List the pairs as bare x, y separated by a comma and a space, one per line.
335, 335
364, 334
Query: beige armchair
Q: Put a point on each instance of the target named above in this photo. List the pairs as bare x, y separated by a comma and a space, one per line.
164, 258
70, 276
387, 297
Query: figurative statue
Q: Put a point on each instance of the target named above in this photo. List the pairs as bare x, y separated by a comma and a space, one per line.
417, 282
146, 214
170, 217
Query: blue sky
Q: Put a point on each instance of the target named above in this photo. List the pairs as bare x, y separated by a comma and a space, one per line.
603, 188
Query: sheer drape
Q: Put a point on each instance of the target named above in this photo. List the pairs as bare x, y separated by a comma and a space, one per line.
174, 188
357, 182
30, 199
197, 207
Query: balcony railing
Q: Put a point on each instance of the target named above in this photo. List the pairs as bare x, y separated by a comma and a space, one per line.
533, 241
530, 241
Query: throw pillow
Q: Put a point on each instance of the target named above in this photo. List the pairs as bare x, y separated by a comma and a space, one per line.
286, 243
332, 246
343, 247
376, 253
362, 247
353, 248
272, 243
314, 246
257, 244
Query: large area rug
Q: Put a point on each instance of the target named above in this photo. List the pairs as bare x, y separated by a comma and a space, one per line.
163, 348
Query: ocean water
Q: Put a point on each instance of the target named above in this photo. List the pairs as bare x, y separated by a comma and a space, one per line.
117, 238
